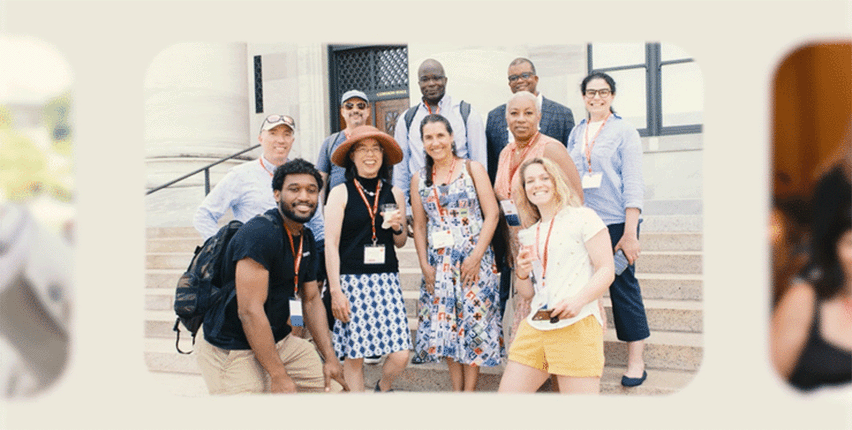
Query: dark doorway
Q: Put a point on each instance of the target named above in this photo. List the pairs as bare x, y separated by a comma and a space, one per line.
380, 71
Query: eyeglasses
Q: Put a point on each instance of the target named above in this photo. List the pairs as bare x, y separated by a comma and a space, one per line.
525, 75
360, 105
361, 150
603, 92
425, 79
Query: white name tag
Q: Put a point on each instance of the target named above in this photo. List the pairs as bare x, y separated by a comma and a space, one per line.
296, 313
592, 180
442, 239
374, 254
511, 212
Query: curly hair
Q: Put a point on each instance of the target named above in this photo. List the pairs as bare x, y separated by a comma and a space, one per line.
293, 167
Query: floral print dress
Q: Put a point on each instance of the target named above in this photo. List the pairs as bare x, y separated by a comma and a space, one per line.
456, 322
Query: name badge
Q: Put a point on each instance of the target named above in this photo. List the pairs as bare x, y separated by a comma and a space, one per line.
511, 212
592, 180
442, 239
374, 254
296, 313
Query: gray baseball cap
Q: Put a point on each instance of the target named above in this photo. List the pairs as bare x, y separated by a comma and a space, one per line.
354, 93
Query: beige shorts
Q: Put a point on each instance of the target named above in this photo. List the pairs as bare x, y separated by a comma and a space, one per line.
576, 350
238, 371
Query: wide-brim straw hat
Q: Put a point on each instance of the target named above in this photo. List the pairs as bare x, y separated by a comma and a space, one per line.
392, 152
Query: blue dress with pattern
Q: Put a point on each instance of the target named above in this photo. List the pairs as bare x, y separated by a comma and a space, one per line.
455, 322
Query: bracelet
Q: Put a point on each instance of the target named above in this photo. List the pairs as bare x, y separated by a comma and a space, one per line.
523, 279
397, 231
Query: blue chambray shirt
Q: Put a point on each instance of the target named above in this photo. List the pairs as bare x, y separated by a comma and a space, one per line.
617, 154
469, 144
247, 190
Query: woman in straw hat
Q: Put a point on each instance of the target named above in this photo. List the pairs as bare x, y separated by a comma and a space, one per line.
363, 272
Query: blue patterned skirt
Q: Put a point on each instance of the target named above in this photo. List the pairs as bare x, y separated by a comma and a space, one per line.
377, 322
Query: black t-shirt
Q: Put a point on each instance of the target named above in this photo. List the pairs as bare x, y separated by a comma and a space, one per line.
265, 242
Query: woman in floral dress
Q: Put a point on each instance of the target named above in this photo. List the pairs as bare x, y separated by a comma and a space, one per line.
455, 214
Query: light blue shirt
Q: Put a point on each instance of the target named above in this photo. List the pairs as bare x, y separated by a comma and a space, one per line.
247, 190
617, 154
469, 140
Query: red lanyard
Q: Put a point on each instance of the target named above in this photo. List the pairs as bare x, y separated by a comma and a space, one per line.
372, 210
260, 160
297, 257
435, 189
546, 243
590, 145
523, 156
437, 108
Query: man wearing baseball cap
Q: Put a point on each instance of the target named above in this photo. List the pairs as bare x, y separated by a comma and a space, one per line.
247, 188
355, 110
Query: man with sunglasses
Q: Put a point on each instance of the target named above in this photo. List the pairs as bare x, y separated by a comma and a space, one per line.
556, 120
355, 110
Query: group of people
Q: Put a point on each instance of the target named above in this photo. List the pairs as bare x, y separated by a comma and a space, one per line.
528, 204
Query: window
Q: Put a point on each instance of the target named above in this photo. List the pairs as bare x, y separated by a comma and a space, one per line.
258, 85
660, 88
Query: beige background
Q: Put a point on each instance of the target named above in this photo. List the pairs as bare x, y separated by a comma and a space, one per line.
109, 45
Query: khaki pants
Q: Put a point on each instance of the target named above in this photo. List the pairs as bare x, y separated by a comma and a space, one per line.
238, 371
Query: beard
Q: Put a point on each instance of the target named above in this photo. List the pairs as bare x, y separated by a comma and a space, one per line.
293, 216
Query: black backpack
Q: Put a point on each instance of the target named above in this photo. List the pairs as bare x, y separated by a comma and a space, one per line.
200, 288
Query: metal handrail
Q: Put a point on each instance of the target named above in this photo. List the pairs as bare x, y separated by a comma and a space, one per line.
205, 169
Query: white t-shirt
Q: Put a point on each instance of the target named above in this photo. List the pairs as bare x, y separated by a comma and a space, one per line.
569, 266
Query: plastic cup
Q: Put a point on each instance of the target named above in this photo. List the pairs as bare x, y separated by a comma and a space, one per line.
388, 211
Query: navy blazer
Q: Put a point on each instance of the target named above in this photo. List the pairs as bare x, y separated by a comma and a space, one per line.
556, 121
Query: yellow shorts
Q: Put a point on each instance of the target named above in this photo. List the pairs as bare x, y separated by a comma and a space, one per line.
576, 350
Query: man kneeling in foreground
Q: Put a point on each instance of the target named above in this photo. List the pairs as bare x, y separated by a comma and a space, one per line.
268, 258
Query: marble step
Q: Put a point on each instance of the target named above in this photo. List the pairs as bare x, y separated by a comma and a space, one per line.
671, 262
654, 285
179, 375
669, 350
667, 315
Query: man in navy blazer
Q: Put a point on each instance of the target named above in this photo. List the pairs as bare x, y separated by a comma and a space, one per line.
556, 119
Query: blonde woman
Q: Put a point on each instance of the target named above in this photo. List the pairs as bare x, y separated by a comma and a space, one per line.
563, 270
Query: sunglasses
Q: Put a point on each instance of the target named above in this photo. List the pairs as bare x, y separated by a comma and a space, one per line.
360, 105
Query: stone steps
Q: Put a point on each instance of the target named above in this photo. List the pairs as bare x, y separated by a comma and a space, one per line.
180, 375
670, 273
664, 350
665, 315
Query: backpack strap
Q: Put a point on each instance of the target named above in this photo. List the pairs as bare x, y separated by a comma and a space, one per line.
464, 109
409, 116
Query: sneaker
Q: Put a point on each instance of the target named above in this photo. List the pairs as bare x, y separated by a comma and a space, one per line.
375, 359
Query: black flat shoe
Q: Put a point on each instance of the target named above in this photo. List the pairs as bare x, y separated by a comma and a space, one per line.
625, 381
379, 390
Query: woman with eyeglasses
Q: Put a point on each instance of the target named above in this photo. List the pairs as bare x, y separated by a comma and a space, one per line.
522, 118
455, 214
564, 267
361, 263
608, 154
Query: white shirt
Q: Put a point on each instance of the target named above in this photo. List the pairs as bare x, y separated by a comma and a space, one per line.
569, 267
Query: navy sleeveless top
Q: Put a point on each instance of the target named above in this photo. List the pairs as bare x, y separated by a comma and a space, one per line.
356, 232
821, 363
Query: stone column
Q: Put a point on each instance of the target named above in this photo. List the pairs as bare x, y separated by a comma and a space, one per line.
196, 111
